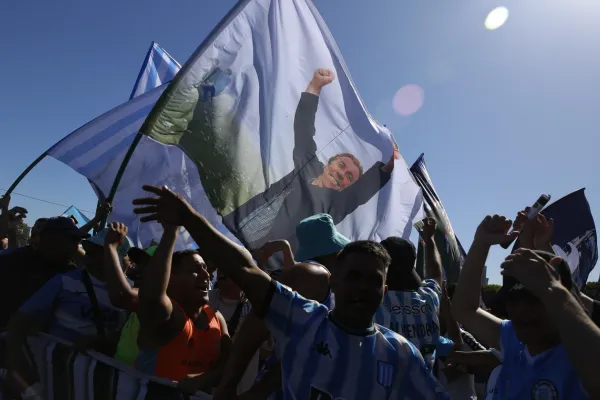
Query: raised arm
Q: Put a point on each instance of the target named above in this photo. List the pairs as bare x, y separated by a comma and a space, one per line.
433, 261
465, 303
305, 147
251, 335
102, 211
120, 292
235, 261
579, 335
155, 306
263, 255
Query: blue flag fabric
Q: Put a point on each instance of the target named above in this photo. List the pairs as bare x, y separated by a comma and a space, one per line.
450, 249
158, 68
94, 149
574, 236
79, 216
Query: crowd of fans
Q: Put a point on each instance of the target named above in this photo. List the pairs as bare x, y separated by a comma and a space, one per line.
337, 320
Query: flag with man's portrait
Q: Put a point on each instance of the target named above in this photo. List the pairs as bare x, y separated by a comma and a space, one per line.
277, 132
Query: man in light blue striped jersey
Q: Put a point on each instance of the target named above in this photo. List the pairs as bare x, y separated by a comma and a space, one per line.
410, 306
325, 355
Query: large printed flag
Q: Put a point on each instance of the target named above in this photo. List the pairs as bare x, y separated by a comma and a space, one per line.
266, 111
93, 148
574, 237
450, 249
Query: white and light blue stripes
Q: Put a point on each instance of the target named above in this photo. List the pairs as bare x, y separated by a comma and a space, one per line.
158, 68
90, 149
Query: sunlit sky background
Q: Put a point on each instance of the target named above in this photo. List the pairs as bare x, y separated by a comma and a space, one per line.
502, 115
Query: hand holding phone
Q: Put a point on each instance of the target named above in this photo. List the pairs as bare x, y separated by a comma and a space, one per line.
533, 212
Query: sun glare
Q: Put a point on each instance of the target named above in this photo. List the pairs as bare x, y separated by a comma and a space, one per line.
496, 18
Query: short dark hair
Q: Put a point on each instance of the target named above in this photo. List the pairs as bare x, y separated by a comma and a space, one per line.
366, 247
351, 156
401, 273
178, 257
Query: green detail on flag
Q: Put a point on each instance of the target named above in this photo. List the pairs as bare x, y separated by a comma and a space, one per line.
201, 118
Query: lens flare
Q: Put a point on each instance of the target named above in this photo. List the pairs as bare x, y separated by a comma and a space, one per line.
496, 18
408, 99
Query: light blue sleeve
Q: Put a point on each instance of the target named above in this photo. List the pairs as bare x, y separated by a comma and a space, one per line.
288, 312
41, 304
443, 347
431, 288
418, 383
509, 342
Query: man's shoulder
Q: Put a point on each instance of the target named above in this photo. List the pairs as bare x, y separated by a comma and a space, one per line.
394, 339
19, 254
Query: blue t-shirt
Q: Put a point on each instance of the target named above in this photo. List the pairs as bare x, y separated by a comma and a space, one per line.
64, 308
320, 360
415, 316
548, 376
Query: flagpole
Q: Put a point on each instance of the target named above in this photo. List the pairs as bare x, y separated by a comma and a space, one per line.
167, 93
24, 173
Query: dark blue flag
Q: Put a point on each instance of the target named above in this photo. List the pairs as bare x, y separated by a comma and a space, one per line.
450, 249
574, 236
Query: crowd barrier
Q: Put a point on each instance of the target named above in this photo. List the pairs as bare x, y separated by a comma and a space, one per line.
66, 374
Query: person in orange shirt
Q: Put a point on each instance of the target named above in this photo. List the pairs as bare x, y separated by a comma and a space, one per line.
181, 337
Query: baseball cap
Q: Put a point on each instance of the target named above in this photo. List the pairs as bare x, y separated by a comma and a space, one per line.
513, 289
317, 236
98, 240
140, 256
62, 225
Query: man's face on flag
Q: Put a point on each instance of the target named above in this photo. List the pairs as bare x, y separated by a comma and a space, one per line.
341, 171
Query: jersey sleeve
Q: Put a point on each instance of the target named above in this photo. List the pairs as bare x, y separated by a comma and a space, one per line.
41, 304
289, 312
443, 347
419, 383
431, 288
508, 338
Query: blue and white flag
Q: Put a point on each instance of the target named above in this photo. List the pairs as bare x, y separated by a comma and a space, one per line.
278, 132
81, 218
158, 68
92, 149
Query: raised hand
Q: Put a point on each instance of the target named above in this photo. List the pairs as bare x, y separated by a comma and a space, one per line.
103, 210
167, 208
10, 219
494, 230
117, 232
428, 230
389, 166
322, 77
532, 271
543, 231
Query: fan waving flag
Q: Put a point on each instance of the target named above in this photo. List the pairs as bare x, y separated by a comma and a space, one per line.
450, 249
278, 133
574, 237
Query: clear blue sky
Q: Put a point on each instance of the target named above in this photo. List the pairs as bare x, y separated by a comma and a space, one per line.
508, 114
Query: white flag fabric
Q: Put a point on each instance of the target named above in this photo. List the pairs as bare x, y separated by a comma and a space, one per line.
267, 112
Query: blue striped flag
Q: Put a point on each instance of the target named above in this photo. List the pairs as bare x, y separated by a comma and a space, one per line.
158, 68
92, 149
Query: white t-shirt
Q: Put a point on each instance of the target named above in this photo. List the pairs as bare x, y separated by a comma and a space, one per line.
227, 309
461, 388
